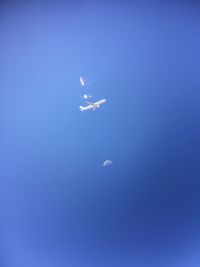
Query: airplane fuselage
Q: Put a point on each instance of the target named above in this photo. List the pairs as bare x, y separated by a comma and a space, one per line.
93, 106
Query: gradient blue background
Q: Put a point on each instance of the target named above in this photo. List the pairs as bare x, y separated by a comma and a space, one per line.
58, 206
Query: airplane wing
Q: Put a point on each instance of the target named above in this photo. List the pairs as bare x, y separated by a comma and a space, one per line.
88, 103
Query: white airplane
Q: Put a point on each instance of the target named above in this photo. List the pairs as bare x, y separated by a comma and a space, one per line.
82, 81
93, 106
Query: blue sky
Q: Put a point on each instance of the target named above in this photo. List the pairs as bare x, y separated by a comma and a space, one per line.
59, 207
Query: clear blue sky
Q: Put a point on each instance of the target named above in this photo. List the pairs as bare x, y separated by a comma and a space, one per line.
58, 206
